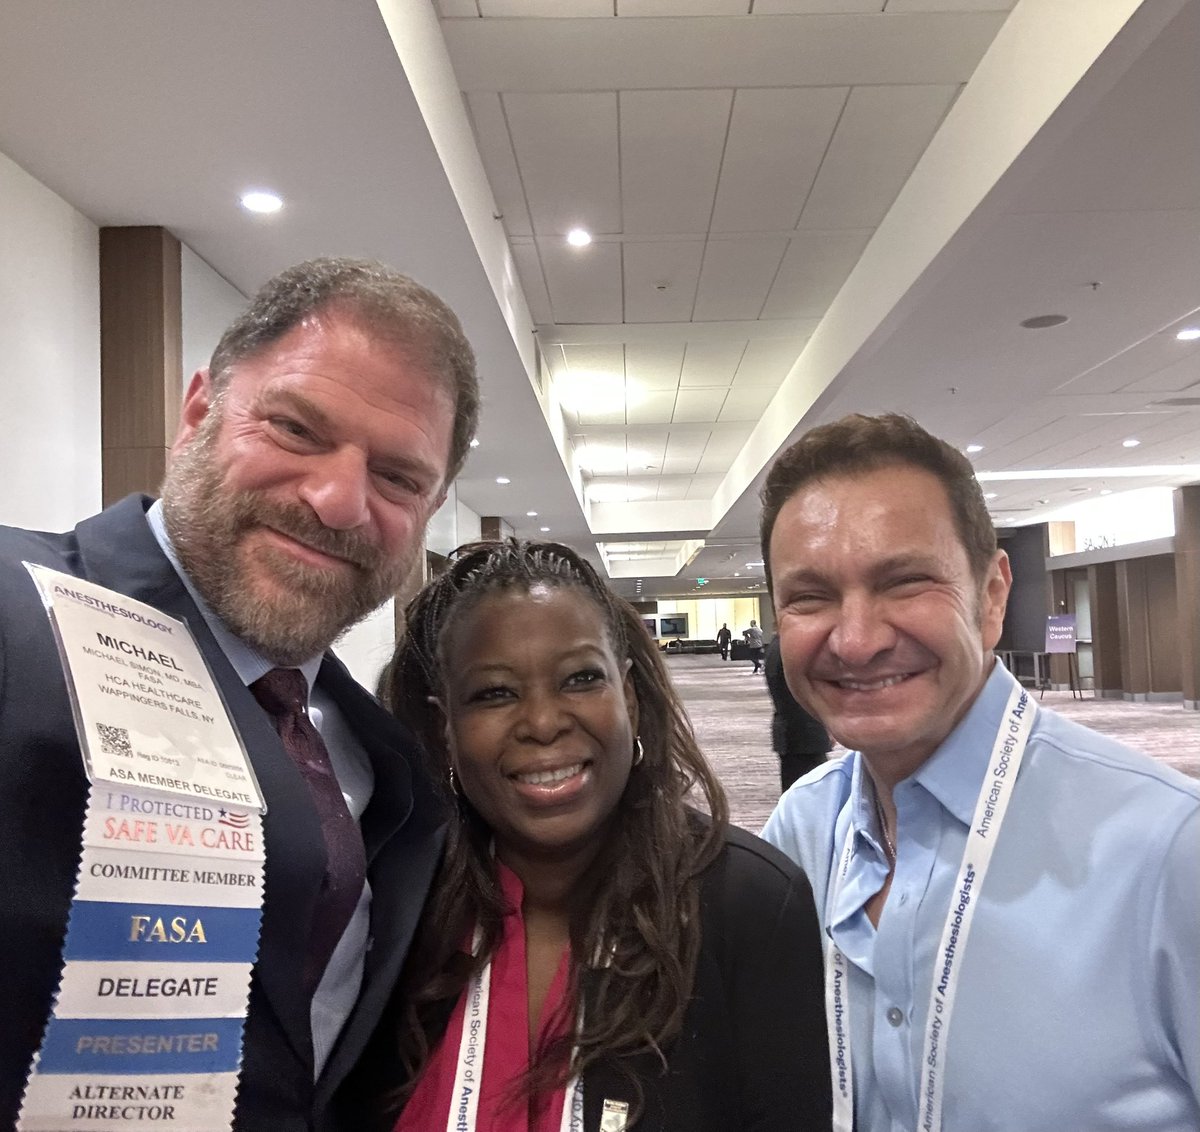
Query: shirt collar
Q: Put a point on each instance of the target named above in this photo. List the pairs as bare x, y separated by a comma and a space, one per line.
247, 662
955, 771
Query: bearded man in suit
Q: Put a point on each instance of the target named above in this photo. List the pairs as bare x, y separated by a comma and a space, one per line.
310, 455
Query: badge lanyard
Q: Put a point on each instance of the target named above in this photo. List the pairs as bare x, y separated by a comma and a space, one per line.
468, 1078
990, 809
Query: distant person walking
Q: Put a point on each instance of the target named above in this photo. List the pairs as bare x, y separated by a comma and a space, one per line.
754, 640
723, 638
800, 740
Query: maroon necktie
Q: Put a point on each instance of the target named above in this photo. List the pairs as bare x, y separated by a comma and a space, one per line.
283, 693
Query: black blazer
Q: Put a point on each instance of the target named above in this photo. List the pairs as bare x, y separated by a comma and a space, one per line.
43, 793
752, 1055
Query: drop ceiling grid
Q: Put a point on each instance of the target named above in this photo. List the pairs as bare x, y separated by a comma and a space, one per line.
583, 288
815, 265
777, 138
881, 135
671, 145
660, 280
565, 145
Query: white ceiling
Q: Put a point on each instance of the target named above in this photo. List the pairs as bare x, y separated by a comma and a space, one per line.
799, 207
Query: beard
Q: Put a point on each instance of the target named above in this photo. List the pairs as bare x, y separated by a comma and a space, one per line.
289, 611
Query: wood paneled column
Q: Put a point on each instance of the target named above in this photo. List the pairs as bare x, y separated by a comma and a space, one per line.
1187, 590
141, 378
1106, 630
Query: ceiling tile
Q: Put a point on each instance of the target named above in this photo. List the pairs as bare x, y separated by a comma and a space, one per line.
661, 279
602, 417
654, 367
533, 284
699, 404
777, 139
594, 359
736, 278
767, 361
815, 7
746, 403
566, 148
491, 138
545, 8
684, 445
704, 486
894, 6
813, 271
452, 8
584, 283
881, 135
683, 7
711, 363
652, 406
671, 143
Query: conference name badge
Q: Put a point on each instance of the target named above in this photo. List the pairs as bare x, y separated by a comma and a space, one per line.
147, 1025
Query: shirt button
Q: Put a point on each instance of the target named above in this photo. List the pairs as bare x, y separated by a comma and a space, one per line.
895, 1016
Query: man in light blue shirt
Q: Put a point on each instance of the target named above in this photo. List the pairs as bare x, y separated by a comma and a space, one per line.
1025, 967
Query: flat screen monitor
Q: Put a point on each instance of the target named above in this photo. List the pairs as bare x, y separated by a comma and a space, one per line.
651, 626
673, 625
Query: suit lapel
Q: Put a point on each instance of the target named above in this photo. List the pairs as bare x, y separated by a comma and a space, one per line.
118, 549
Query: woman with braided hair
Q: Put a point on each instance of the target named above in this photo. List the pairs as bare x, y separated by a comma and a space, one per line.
597, 954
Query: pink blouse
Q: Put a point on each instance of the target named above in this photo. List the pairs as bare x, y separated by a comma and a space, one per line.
506, 1053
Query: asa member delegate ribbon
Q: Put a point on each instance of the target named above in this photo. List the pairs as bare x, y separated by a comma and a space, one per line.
146, 1029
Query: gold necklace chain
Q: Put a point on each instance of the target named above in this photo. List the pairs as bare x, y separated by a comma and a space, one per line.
889, 846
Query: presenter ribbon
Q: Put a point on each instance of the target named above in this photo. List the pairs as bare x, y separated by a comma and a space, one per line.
163, 929
990, 809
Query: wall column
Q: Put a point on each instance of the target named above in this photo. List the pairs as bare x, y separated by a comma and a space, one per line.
141, 377
1187, 590
1106, 630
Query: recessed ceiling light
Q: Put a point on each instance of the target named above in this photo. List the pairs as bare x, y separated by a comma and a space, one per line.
1106, 491
1042, 321
1130, 443
989, 495
531, 514
974, 447
259, 201
736, 574
475, 442
1189, 334
543, 529
579, 238
503, 479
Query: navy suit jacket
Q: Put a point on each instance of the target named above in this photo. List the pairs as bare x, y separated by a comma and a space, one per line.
43, 793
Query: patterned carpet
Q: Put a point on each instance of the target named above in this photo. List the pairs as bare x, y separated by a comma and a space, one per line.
731, 712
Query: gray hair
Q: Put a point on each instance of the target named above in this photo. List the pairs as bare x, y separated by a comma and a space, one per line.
401, 310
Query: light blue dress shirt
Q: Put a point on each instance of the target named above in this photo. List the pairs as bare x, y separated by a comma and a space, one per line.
1078, 1008
338, 991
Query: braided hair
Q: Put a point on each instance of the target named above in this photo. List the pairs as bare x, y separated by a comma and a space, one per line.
638, 903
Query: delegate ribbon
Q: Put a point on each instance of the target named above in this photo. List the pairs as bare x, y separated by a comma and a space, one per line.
990, 809
162, 935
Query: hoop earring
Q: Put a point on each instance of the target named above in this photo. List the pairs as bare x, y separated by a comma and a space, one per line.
639, 751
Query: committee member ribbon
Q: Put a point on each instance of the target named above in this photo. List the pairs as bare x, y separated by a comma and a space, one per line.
162, 935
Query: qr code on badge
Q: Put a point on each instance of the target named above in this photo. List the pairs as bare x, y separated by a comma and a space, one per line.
114, 740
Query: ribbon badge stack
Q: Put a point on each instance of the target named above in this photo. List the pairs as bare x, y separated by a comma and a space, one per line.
164, 924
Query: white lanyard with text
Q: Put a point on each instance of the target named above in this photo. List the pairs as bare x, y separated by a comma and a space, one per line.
468, 1078
990, 808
